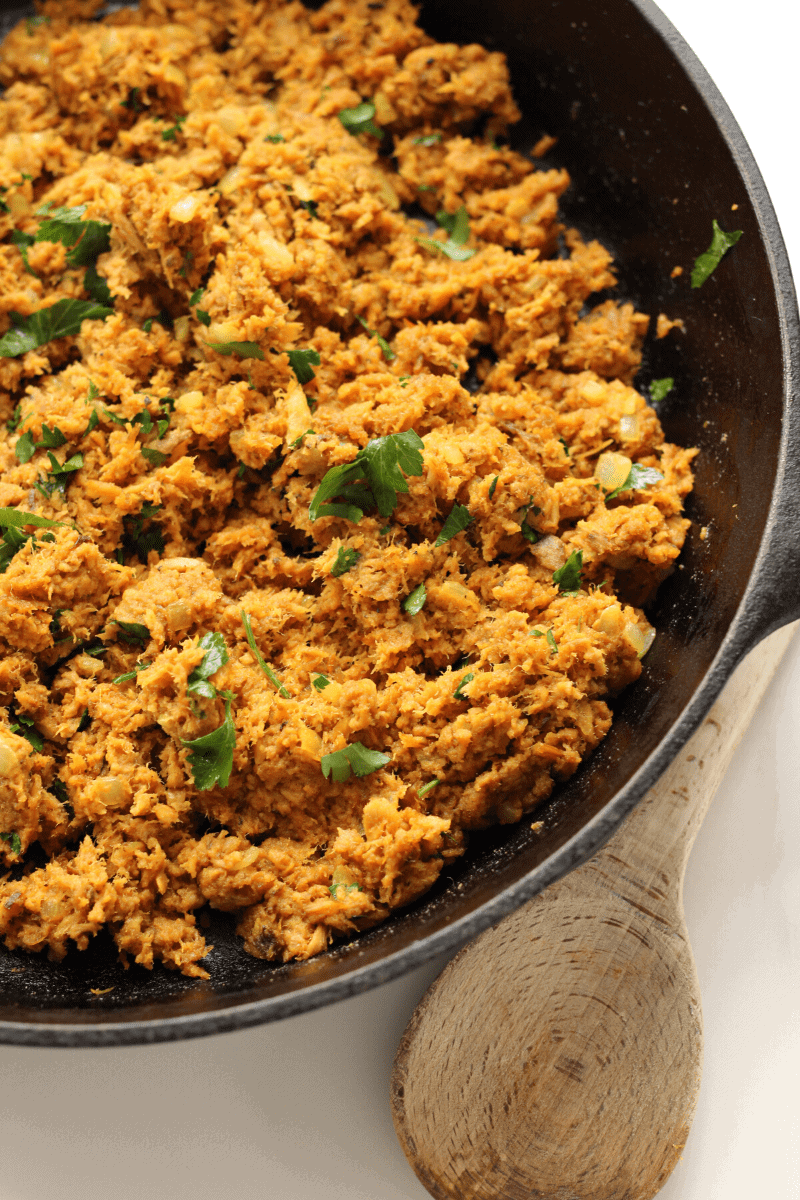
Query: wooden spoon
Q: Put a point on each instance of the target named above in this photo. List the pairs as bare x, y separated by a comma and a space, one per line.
558, 1056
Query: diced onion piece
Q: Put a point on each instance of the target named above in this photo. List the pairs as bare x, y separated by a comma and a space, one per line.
110, 791
629, 428
181, 329
612, 470
231, 180
310, 747
343, 877
178, 615
640, 639
8, 761
550, 552
593, 391
385, 111
229, 119
50, 908
184, 209
610, 621
302, 190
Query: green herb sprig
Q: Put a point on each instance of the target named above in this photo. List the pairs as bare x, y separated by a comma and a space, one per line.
721, 242
374, 477
356, 759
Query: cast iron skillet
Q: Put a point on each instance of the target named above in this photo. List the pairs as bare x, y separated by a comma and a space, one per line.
654, 155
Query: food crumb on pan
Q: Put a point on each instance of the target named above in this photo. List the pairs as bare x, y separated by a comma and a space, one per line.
329, 509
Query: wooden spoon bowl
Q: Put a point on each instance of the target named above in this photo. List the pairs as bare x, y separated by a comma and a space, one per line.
558, 1056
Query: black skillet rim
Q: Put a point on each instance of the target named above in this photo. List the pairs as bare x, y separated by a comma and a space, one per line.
757, 615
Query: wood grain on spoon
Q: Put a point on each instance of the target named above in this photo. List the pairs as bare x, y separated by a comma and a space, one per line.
558, 1056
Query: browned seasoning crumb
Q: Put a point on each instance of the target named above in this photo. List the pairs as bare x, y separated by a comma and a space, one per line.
101, 991
222, 168
664, 325
676, 272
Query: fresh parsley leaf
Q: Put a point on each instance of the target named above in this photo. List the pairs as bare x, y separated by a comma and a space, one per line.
62, 319
140, 666
638, 479
196, 297
298, 441
14, 518
84, 239
413, 603
386, 350
205, 319
51, 438
274, 138
379, 464
458, 520
551, 641
320, 682
705, 264
147, 325
493, 485
156, 457
568, 577
25, 447
265, 667
660, 389
215, 656
301, 362
211, 756
171, 134
427, 787
346, 559
92, 393
356, 758
403, 380
358, 119
95, 649
243, 349
456, 225
133, 103
24, 726
133, 632
96, 287
162, 426
13, 838
23, 242
536, 633
459, 693
13, 421
139, 540
427, 139
32, 23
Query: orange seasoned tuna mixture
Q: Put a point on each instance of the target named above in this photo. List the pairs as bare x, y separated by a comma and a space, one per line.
328, 505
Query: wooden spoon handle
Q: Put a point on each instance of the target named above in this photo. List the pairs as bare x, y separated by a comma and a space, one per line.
558, 1056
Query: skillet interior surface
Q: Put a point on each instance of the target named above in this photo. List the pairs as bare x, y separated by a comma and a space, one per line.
654, 155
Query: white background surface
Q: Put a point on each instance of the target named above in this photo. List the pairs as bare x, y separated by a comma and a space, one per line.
300, 1110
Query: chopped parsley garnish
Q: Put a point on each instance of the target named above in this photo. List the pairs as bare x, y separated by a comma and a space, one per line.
274, 138
413, 603
568, 578
298, 441
427, 139
427, 787
147, 324
58, 477
97, 287
456, 225
203, 317
403, 380
171, 134
26, 447
13, 421
24, 726
356, 758
13, 838
301, 362
133, 632
139, 540
211, 756
721, 243
84, 239
378, 467
638, 479
320, 682
358, 119
243, 349
140, 666
156, 457
62, 319
265, 667
493, 485
458, 520
215, 656
386, 349
12, 521
551, 641
346, 559
133, 103
92, 393
458, 694
23, 242
660, 389
32, 23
